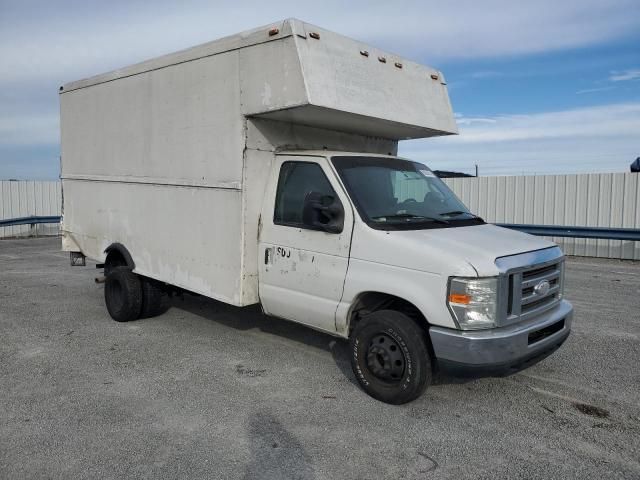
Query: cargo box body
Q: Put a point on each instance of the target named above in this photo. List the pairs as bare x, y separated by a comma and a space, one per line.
170, 157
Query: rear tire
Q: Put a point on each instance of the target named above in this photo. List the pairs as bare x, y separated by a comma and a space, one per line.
155, 300
114, 260
390, 357
123, 294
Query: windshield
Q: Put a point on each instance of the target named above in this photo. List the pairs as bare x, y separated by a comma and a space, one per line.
392, 194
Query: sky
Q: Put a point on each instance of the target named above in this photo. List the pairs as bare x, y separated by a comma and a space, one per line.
537, 87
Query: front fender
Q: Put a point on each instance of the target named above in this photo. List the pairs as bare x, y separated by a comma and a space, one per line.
426, 291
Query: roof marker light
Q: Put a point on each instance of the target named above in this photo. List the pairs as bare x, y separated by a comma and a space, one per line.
364, 53
382, 60
273, 31
315, 35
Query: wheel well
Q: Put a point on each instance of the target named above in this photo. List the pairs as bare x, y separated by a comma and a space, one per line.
118, 255
369, 302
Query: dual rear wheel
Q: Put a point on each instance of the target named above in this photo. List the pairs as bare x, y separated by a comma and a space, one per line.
129, 296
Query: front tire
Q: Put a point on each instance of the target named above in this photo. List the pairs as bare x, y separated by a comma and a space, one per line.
123, 294
390, 357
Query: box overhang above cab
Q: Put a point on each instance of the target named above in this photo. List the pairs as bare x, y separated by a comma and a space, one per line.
321, 79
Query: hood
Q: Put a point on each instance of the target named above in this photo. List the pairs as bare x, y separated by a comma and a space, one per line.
449, 251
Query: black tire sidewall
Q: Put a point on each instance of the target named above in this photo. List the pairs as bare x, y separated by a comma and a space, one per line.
128, 306
412, 341
154, 299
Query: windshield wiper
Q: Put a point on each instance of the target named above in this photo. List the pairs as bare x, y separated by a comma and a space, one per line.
410, 216
460, 212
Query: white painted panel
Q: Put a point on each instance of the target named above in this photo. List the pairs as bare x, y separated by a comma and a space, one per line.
538, 200
38, 206
582, 193
593, 188
468, 189
483, 199
19, 207
474, 196
163, 126
616, 208
5, 208
557, 214
570, 201
519, 204
185, 236
509, 195
637, 220
499, 206
605, 214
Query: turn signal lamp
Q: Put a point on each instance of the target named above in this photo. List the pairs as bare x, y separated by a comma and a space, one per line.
473, 302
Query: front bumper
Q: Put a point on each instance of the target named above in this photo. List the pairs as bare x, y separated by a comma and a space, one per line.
510, 347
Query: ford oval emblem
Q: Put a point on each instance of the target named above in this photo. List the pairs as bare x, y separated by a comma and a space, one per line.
542, 288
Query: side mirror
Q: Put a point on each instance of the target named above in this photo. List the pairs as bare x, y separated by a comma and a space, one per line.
323, 212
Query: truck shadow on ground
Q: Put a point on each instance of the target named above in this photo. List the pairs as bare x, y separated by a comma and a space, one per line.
252, 318
275, 452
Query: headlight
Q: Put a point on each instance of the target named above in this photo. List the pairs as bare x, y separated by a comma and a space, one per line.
474, 302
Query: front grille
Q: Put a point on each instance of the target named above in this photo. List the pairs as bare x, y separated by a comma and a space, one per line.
537, 303
534, 289
536, 272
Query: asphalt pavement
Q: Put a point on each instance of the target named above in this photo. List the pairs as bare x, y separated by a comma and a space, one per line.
213, 391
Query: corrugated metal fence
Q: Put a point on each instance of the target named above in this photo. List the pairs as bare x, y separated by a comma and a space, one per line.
597, 200
593, 200
29, 198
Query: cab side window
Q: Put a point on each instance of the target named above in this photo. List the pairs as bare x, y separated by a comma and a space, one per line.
296, 181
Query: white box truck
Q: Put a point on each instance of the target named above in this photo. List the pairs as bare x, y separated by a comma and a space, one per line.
262, 168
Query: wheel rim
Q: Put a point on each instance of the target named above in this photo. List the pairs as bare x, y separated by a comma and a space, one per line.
385, 358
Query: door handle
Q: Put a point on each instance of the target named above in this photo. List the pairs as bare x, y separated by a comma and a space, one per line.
267, 255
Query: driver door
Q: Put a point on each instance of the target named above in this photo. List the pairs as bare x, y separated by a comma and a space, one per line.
303, 267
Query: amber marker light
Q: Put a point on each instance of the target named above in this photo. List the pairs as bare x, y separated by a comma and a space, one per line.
460, 298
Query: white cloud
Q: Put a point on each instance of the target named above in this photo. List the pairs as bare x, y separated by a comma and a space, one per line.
594, 90
464, 120
44, 44
615, 76
64, 43
609, 120
603, 138
625, 75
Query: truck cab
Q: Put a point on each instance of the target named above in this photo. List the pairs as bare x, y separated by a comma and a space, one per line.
377, 249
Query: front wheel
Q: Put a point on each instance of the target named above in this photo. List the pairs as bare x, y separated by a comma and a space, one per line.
390, 358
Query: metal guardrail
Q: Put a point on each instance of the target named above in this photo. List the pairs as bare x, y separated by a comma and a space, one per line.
601, 233
10, 222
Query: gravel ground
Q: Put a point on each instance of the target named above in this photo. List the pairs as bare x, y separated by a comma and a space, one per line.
212, 391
